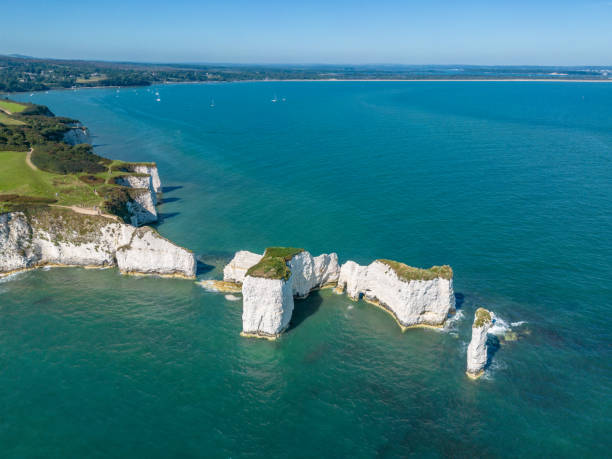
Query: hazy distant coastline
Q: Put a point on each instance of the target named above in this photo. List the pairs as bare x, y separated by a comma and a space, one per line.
28, 74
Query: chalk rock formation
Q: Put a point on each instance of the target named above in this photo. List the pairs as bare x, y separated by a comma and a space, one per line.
53, 236
143, 199
267, 306
149, 253
236, 269
141, 181
308, 273
415, 297
271, 281
477, 349
77, 135
150, 169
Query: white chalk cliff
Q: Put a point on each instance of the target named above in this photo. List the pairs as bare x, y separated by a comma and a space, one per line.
55, 236
267, 306
141, 206
236, 269
413, 302
268, 302
477, 349
150, 169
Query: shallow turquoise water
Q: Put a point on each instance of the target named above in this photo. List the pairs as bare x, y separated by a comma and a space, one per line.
510, 183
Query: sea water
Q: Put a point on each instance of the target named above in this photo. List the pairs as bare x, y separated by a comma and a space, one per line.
508, 182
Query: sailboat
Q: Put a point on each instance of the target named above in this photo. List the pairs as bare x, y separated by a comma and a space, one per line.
275, 99
212, 103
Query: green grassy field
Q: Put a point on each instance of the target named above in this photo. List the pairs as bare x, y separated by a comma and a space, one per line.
91, 79
8, 121
12, 107
16, 177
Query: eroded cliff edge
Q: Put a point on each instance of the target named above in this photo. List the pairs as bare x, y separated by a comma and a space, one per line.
43, 236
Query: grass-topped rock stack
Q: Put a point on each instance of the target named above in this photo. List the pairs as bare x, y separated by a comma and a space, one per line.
272, 280
414, 297
477, 349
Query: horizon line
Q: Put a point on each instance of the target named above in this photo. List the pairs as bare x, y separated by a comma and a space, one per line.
310, 64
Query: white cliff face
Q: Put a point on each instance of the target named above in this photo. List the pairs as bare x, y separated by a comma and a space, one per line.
149, 253
152, 171
77, 135
326, 269
477, 349
267, 306
236, 269
16, 248
62, 237
268, 303
412, 302
138, 181
308, 273
352, 279
141, 208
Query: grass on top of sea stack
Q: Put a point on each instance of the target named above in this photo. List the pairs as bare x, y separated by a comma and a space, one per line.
286, 253
12, 107
482, 316
409, 273
273, 264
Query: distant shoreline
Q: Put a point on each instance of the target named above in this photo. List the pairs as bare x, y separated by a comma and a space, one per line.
408, 80
336, 80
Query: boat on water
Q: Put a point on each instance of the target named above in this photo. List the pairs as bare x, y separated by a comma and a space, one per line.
212, 103
158, 100
274, 99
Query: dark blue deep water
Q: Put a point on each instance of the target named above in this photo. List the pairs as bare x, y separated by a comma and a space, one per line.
508, 182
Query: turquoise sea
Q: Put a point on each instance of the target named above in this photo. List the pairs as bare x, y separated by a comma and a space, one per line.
508, 182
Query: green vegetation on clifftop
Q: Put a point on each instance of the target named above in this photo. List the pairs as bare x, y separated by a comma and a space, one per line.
409, 273
57, 173
273, 264
482, 316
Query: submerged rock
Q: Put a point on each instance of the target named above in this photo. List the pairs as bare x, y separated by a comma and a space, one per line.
477, 349
220, 286
415, 297
54, 236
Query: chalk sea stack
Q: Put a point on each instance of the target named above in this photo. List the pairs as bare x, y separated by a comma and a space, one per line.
477, 349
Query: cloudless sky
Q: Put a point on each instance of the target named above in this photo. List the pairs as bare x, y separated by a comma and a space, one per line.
544, 32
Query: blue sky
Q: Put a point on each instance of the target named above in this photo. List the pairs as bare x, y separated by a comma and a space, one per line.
533, 32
